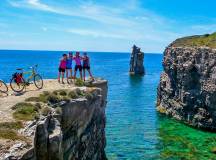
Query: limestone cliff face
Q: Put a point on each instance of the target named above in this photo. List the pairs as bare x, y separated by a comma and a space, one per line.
187, 89
78, 133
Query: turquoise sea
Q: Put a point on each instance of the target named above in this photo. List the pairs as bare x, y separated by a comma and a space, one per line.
134, 130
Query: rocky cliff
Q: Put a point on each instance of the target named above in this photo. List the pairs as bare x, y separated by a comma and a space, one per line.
70, 125
187, 89
136, 61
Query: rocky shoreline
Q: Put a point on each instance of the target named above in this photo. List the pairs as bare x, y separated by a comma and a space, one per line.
66, 124
187, 88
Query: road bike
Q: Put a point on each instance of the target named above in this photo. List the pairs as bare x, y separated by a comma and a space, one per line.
18, 82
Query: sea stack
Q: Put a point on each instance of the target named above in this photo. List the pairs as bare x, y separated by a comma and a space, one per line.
136, 61
187, 89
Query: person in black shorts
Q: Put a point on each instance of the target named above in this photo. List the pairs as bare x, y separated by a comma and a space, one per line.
78, 65
86, 65
62, 68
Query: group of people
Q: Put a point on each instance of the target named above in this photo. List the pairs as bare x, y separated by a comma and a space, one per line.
82, 63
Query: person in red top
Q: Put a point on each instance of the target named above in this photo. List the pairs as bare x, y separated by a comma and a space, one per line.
86, 65
62, 68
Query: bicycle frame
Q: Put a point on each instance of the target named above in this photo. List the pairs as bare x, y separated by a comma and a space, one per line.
32, 73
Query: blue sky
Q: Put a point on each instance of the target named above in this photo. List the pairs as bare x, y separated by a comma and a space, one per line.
102, 25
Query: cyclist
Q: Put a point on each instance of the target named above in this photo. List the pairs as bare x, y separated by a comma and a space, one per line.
78, 65
86, 65
69, 66
62, 68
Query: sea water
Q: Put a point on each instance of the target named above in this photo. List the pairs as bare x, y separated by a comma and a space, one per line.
134, 130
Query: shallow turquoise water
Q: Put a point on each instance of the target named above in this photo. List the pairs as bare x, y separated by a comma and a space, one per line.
134, 130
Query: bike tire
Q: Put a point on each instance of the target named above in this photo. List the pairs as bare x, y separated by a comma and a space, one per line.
3, 87
38, 81
17, 87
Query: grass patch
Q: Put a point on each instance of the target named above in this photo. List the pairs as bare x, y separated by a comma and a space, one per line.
73, 94
52, 98
10, 134
11, 125
24, 111
207, 40
46, 110
42, 98
79, 82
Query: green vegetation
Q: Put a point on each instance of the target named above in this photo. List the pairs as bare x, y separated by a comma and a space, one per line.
24, 111
79, 82
43, 104
73, 95
207, 40
8, 130
11, 125
46, 110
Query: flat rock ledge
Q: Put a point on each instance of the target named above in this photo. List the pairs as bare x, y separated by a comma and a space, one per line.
76, 132
187, 89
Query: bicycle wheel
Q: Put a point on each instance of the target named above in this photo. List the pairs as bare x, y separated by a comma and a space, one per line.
38, 81
3, 87
17, 87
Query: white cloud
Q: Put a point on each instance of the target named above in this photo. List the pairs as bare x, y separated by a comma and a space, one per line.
95, 34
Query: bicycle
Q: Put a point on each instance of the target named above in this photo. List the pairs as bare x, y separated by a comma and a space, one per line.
18, 82
3, 87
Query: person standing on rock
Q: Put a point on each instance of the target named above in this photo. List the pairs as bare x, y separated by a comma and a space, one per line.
86, 66
69, 66
62, 68
78, 65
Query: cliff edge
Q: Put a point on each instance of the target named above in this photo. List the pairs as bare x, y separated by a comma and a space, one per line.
187, 89
59, 122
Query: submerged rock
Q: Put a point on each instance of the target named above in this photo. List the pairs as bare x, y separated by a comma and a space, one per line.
136, 61
187, 89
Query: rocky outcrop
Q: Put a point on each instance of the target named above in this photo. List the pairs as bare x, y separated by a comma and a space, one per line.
136, 61
75, 133
187, 89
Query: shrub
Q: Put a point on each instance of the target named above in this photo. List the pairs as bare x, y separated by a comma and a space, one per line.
73, 94
11, 125
62, 92
41, 98
65, 98
46, 110
24, 111
79, 82
10, 134
52, 98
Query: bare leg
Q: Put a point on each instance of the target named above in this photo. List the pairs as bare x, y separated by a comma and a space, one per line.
63, 77
84, 74
75, 75
81, 75
71, 73
67, 75
59, 74
89, 71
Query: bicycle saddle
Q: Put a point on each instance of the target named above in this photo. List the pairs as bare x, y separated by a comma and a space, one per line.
19, 69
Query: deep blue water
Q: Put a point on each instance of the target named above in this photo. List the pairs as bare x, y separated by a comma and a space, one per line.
134, 130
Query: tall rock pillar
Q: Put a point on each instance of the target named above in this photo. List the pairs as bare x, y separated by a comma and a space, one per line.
136, 61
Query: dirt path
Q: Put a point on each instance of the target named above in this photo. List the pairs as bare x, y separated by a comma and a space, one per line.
7, 101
